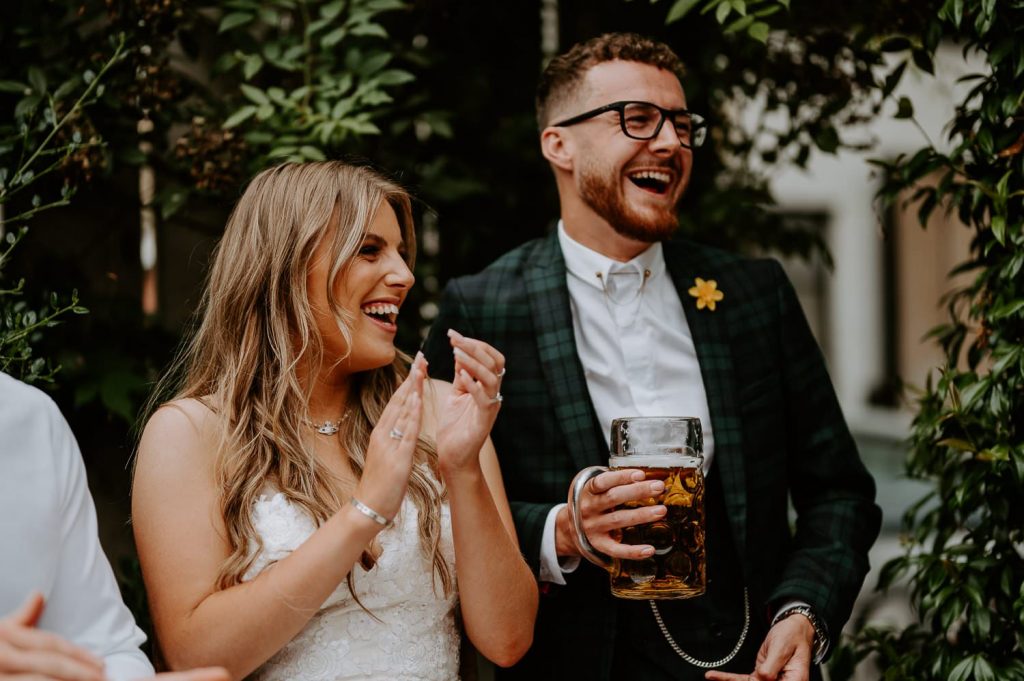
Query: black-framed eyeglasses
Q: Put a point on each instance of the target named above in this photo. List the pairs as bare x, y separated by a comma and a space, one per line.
643, 121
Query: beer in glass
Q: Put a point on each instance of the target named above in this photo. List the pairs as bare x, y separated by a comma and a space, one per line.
667, 449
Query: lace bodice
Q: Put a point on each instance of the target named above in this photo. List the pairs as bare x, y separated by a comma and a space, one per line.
413, 636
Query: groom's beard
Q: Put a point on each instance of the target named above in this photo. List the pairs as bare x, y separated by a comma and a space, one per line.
602, 190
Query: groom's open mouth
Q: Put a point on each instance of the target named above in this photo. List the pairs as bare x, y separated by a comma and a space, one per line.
657, 181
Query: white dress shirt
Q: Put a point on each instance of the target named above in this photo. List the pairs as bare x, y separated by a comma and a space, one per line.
637, 353
48, 535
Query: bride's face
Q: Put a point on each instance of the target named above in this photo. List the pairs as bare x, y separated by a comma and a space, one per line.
371, 287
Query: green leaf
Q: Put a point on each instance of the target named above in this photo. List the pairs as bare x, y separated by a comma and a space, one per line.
758, 31
312, 153
739, 24
723, 11
293, 53
234, 20
905, 108
37, 79
254, 94
680, 9
384, 5
827, 140
172, 202
342, 108
372, 65
394, 77
240, 116
65, 89
370, 28
252, 65
971, 394
893, 79
333, 38
359, 127
896, 43
331, 10
999, 228
277, 96
315, 26
282, 151
1007, 310
13, 86
982, 669
740, 6
958, 444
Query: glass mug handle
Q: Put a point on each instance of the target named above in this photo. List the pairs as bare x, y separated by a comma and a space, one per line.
575, 490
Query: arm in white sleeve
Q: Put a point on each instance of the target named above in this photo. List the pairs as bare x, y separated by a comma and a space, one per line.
551, 568
84, 604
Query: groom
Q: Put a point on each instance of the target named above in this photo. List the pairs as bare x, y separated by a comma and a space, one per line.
606, 318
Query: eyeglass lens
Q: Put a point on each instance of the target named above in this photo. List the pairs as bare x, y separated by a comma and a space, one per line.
641, 121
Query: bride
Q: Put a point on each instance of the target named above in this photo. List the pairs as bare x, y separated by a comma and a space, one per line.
310, 505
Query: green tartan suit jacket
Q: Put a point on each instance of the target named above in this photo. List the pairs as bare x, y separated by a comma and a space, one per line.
779, 435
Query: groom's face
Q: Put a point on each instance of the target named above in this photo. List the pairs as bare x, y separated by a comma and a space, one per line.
634, 185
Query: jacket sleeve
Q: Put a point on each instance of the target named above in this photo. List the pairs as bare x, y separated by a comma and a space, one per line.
832, 492
453, 313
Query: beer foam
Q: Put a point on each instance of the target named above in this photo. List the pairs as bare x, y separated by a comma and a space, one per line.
659, 460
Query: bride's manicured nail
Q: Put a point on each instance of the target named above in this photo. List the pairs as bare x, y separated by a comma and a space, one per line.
453, 334
460, 353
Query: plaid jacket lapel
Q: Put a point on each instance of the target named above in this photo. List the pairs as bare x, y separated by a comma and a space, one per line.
548, 296
711, 338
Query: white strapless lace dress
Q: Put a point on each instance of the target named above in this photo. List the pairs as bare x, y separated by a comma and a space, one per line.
411, 633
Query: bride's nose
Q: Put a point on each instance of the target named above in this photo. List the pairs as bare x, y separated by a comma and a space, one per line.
399, 275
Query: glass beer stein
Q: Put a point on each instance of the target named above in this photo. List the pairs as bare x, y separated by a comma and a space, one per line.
667, 448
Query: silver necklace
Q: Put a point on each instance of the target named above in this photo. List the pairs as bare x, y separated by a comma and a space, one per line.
329, 427
702, 663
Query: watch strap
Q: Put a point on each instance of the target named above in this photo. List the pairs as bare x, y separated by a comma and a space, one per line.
821, 638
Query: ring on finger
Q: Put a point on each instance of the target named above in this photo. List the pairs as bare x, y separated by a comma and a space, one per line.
501, 373
396, 434
497, 399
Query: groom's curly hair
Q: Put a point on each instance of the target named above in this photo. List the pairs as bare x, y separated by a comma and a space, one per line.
562, 78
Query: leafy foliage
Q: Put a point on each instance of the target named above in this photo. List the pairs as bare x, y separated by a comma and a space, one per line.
45, 137
965, 542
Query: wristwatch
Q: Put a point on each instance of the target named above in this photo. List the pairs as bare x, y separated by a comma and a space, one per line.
820, 646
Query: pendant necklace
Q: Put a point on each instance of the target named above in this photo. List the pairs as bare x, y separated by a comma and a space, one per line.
329, 427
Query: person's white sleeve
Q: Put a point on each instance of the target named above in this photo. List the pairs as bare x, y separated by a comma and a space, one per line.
84, 605
551, 568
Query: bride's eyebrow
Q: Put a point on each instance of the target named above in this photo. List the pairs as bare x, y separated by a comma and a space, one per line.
378, 240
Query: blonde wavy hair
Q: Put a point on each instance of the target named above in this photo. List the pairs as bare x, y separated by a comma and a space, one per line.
255, 327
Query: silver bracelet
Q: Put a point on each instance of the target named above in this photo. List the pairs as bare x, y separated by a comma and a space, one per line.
371, 514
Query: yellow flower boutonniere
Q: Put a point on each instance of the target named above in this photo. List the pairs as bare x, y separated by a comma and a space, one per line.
706, 293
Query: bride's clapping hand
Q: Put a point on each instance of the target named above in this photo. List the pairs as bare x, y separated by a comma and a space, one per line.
389, 455
468, 413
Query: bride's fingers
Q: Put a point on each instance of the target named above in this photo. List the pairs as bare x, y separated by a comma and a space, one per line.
417, 374
406, 429
484, 352
483, 399
478, 371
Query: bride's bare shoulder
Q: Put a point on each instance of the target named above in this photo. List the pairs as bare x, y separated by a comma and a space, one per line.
183, 430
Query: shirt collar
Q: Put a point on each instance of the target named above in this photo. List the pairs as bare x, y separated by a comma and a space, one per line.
584, 263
